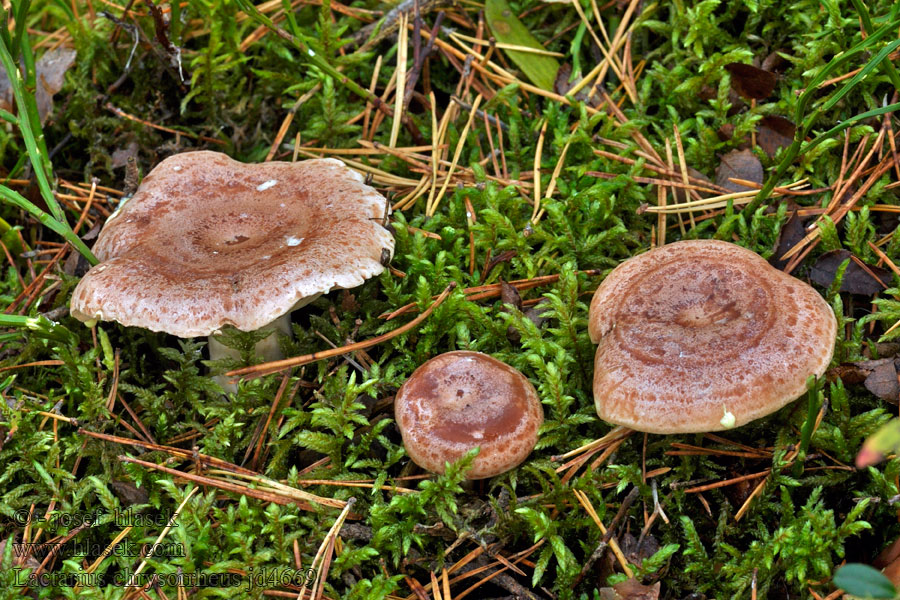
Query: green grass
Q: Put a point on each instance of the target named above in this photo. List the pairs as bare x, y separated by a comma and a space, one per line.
798, 528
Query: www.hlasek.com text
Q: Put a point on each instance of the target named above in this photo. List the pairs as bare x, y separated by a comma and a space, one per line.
78, 549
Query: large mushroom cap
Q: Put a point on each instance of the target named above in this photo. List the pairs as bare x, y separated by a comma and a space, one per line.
208, 241
691, 330
459, 400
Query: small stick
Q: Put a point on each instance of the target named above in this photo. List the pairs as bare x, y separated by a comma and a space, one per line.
121, 113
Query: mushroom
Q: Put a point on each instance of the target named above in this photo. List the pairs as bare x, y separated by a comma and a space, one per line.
459, 400
207, 241
702, 336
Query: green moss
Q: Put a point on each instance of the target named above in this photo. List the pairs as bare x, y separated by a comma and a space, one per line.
796, 530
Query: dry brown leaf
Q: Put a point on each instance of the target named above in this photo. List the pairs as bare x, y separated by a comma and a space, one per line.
631, 589
882, 381
775, 132
856, 279
791, 233
50, 73
889, 561
739, 164
120, 156
751, 82
774, 62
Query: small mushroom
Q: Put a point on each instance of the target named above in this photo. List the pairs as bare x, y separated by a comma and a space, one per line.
459, 400
702, 336
207, 242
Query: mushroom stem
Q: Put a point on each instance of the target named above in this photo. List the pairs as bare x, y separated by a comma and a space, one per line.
266, 349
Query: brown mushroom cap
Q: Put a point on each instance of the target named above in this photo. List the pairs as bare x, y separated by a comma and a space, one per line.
696, 328
208, 241
459, 400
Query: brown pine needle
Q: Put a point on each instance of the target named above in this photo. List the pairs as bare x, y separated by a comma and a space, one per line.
38, 363
322, 560
682, 165
551, 187
721, 201
459, 147
402, 46
356, 484
538, 151
746, 506
615, 434
280, 365
162, 536
367, 113
436, 587
278, 493
701, 184
178, 452
613, 545
121, 113
265, 430
691, 450
884, 257
482, 292
727, 482
811, 240
286, 124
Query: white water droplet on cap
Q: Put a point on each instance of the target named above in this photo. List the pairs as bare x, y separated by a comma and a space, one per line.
266, 185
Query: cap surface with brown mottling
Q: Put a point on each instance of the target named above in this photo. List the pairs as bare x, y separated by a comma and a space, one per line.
208, 241
696, 328
459, 400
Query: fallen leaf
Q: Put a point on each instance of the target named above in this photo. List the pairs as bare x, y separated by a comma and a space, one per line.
725, 132
856, 279
751, 82
636, 550
50, 72
739, 164
129, 493
119, 157
562, 83
632, 589
882, 381
849, 374
30, 562
888, 555
536, 313
775, 132
774, 62
510, 295
348, 302
791, 233
888, 560
51, 75
496, 260
892, 572
882, 349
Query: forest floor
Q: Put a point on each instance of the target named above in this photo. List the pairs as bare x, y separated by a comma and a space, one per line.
536, 144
